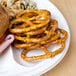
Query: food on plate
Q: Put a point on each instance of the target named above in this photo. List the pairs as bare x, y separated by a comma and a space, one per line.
35, 29
5, 41
15, 6
4, 21
8, 11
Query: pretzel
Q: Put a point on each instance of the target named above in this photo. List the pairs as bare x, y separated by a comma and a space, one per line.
57, 41
34, 29
48, 33
28, 45
47, 53
29, 21
33, 11
36, 40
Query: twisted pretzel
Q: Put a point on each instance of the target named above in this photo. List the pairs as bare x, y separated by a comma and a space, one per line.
34, 29
46, 55
32, 25
36, 40
43, 47
28, 45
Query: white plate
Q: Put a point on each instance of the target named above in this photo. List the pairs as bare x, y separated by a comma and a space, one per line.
11, 63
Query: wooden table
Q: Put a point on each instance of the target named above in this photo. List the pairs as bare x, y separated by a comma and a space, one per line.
67, 67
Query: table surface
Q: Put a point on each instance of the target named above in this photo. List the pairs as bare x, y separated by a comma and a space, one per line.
67, 67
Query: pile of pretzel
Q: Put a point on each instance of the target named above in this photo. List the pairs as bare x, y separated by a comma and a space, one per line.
35, 29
